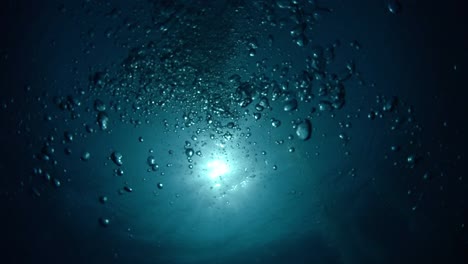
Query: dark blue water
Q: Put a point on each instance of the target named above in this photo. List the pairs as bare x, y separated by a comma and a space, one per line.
233, 132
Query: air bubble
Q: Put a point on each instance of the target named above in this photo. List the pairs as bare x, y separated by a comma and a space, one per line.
395, 148
103, 120
68, 137
57, 183
411, 159
151, 160
290, 105
275, 122
304, 130
103, 199
394, 6
104, 222
116, 157
325, 106
119, 172
189, 152
257, 116
85, 156
47, 176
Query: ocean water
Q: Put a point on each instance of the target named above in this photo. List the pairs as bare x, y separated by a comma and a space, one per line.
189, 132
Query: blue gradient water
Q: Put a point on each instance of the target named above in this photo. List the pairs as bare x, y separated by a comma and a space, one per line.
233, 132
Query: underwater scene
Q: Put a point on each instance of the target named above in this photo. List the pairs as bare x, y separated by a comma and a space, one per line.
234, 131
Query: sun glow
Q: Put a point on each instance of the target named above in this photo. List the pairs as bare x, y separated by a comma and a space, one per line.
217, 168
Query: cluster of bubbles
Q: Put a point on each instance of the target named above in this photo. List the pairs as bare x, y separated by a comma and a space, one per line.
212, 78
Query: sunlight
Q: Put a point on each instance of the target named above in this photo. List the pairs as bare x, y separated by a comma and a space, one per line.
217, 168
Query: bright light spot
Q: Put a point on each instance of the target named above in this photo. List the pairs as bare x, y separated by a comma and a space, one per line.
217, 168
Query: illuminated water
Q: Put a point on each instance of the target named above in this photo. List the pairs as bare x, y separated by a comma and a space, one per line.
233, 132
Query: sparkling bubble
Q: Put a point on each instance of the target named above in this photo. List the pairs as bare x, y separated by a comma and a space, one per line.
297, 30
245, 102
257, 116
304, 130
43, 157
189, 152
155, 167
57, 183
103, 199
119, 172
151, 160
89, 129
48, 150
275, 122
103, 120
85, 156
290, 105
160, 185
390, 104
116, 157
47, 176
426, 176
104, 222
395, 148
37, 171
394, 6
343, 137
68, 137
325, 106
264, 103
301, 40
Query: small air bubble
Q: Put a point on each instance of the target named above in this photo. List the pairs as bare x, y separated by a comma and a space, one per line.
104, 222
85, 156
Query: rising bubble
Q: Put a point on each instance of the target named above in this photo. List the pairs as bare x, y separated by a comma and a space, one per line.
304, 130
116, 157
